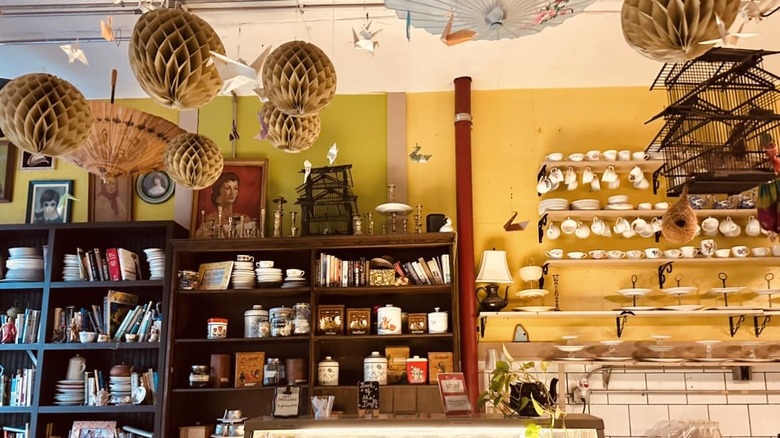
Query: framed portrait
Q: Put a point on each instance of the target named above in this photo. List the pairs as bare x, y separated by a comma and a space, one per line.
241, 192
7, 151
154, 187
93, 429
29, 161
110, 201
47, 202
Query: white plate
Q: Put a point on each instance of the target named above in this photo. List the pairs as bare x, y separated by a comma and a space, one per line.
638, 308
614, 358
574, 359
534, 309
619, 207
663, 359
393, 207
755, 359
767, 291
734, 308
684, 290
569, 348
634, 292
531, 293
235, 420
727, 290
683, 307
712, 359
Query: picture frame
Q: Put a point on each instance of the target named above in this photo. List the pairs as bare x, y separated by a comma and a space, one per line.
30, 161
7, 153
214, 276
244, 186
93, 429
48, 201
154, 187
110, 201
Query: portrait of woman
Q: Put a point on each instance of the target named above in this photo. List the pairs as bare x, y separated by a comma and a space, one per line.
154, 187
110, 200
239, 190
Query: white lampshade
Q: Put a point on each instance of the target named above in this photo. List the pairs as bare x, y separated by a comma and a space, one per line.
494, 268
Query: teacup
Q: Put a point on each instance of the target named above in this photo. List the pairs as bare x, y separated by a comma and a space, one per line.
775, 249
641, 184
621, 225
609, 175
587, 175
576, 157
689, 252
265, 264
628, 234
646, 231
661, 205
638, 156
761, 251
616, 254
553, 232
644, 206
102, 337
595, 185
570, 175
593, 155
638, 224
598, 226
609, 154
673, 253
576, 255
624, 155
614, 184
727, 226
555, 156
753, 227
740, 251
530, 273
572, 185
708, 247
597, 254
568, 226
554, 253
582, 231
722, 253
710, 225
653, 253
544, 185
556, 175
295, 272
635, 254
635, 174
244, 258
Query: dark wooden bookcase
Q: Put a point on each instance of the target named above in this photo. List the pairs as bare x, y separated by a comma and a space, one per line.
190, 310
51, 359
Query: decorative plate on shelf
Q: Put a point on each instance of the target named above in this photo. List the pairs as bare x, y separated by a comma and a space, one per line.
663, 359
614, 358
534, 309
683, 307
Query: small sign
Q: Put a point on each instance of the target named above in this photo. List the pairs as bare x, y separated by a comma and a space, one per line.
454, 397
287, 400
214, 276
368, 395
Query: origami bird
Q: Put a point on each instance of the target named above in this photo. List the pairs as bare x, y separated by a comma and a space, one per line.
757, 10
234, 133
451, 38
74, 53
726, 37
107, 29
364, 40
236, 74
333, 152
65, 198
263, 127
509, 226
417, 157
306, 170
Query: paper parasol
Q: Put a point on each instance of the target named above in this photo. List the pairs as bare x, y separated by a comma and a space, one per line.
489, 19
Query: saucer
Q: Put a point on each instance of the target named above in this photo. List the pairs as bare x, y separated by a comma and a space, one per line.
231, 420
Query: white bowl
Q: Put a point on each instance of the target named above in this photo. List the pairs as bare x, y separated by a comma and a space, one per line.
555, 156
570, 348
617, 199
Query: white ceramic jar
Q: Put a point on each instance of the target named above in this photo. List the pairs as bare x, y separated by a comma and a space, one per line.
437, 321
389, 320
328, 372
254, 318
375, 368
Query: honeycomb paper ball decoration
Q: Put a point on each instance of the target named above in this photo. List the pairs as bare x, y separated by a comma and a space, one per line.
672, 30
288, 133
44, 114
193, 160
169, 55
299, 78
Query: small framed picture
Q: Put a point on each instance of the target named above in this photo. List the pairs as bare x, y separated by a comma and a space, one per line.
214, 276
30, 161
154, 187
93, 429
110, 201
7, 151
48, 201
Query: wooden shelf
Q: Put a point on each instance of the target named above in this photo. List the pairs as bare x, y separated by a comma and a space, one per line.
103, 346
601, 165
260, 292
616, 313
15, 409
336, 338
216, 390
439, 289
560, 215
638, 362
95, 409
104, 284
242, 340
4, 284
19, 347
589, 263
422, 385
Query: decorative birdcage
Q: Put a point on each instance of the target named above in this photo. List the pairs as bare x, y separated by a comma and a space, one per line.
327, 201
720, 116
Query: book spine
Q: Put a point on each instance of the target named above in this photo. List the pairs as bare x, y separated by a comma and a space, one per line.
94, 271
112, 260
99, 264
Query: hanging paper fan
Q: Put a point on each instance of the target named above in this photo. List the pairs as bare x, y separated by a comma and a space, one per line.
488, 19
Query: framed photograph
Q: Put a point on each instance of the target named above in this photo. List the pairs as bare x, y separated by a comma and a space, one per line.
240, 191
154, 187
93, 429
30, 161
7, 151
110, 201
214, 276
47, 202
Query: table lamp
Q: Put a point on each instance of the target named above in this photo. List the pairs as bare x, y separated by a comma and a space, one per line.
493, 270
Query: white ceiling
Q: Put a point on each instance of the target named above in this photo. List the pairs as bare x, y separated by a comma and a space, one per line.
587, 50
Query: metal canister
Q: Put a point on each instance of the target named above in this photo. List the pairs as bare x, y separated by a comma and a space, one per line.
302, 320
281, 321
256, 323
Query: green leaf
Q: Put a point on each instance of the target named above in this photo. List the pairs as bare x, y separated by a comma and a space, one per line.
528, 365
544, 366
532, 430
537, 407
501, 366
523, 403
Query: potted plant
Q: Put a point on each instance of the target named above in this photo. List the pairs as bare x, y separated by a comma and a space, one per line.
521, 393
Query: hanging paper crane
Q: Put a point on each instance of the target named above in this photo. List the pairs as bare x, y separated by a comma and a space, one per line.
726, 37
364, 40
107, 29
417, 157
74, 53
451, 38
235, 73
333, 152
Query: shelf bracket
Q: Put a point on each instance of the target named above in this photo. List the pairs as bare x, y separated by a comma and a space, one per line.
482, 324
657, 236
622, 320
545, 270
657, 178
734, 326
760, 327
664, 269
540, 226
33, 358
541, 174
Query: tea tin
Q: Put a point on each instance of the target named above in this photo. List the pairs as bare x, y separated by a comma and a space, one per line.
217, 328
389, 320
375, 368
256, 323
328, 372
417, 370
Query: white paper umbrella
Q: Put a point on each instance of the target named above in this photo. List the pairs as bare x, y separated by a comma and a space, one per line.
489, 19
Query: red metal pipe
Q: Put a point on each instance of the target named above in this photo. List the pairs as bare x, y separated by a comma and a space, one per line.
465, 223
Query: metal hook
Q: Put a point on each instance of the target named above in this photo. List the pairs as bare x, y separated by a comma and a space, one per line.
634, 279
723, 277
678, 278
769, 277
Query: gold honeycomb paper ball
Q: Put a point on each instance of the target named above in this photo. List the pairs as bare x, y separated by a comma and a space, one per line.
44, 114
193, 160
672, 30
288, 133
169, 55
299, 78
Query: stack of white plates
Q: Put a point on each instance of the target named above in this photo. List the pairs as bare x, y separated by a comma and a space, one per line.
268, 277
553, 204
585, 204
25, 264
156, 259
120, 389
293, 282
243, 275
69, 393
72, 270
618, 202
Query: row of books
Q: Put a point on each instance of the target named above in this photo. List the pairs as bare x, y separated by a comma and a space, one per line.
113, 264
421, 271
27, 326
16, 390
335, 272
120, 314
16, 431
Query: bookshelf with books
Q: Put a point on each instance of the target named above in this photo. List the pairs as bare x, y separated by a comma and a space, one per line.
355, 273
52, 311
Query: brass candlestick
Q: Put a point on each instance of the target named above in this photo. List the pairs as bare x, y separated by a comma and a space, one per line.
279, 215
219, 222
370, 223
261, 225
293, 228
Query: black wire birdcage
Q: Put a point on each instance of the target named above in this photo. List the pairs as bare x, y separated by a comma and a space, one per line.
327, 201
721, 114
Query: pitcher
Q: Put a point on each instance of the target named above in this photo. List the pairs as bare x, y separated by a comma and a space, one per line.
492, 301
76, 368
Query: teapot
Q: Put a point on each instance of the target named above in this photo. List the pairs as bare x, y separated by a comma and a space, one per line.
492, 301
121, 370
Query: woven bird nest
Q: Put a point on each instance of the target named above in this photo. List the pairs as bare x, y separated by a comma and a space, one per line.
680, 222
299, 78
169, 55
44, 114
193, 160
672, 30
288, 133
123, 142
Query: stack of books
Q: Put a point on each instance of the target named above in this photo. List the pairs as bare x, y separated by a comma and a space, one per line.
17, 390
27, 325
113, 264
